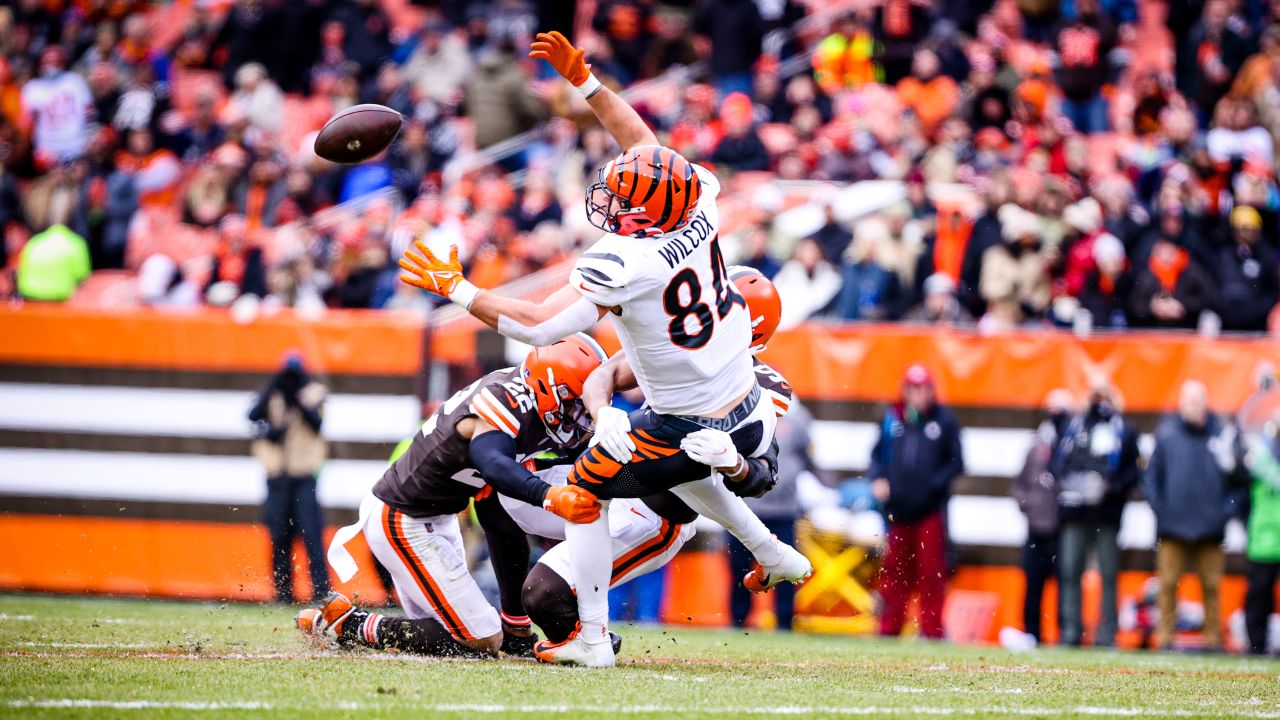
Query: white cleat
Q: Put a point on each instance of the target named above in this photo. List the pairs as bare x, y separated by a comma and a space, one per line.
791, 567
576, 651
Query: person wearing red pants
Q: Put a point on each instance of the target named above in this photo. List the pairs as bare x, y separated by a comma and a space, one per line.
913, 463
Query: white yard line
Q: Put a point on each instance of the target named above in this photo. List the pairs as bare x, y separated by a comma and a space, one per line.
86, 646
17, 618
135, 704
783, 710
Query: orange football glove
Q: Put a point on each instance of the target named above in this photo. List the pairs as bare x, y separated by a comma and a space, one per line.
568, 60
429, 272
573, 503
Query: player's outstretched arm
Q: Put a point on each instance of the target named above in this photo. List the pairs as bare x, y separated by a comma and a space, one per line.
618, 117
562, 314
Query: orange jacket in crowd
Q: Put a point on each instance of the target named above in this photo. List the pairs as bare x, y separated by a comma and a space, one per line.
932, 101
841, 63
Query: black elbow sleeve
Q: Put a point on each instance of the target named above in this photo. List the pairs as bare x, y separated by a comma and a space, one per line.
494, 455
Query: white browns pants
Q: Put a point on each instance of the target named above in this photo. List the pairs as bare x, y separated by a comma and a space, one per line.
426, 559
642, 543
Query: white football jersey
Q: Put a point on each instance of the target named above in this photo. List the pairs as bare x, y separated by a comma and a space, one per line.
683, 324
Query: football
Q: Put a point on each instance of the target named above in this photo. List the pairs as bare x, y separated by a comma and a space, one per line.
358, 133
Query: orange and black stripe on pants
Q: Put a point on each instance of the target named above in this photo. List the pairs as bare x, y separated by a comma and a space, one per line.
666, 537
392, 525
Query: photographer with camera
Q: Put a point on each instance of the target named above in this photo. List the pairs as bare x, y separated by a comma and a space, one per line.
287, 441
1096, 464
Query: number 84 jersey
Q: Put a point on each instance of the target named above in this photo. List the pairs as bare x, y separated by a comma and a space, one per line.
684, 326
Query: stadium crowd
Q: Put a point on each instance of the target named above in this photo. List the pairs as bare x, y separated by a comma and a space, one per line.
1113, 185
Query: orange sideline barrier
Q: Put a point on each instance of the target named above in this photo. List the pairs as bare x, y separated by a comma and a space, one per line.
866, 363
159, 558
351, 342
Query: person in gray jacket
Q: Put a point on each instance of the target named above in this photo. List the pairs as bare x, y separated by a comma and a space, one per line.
1189, 485
778, 509
1036, 490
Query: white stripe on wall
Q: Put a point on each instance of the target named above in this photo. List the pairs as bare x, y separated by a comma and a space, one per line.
167, 478
190, 413
845, 446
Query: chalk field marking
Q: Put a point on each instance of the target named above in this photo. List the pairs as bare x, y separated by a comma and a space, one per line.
136, 704
86, 646
17, 618
799, 710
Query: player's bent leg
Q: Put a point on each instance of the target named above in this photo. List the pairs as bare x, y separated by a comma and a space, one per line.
778, 561
427, 563
589, 548
338, 621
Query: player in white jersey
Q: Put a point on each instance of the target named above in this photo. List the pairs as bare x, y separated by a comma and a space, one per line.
660, 273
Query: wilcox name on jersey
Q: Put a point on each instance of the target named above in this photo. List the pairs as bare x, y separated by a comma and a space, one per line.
681, 247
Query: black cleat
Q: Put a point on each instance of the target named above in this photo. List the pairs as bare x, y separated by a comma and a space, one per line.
616, 641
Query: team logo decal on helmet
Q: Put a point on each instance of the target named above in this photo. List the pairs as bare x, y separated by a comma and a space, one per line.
645, 191
557, 372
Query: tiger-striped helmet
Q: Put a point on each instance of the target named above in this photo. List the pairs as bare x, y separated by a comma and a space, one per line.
647, 190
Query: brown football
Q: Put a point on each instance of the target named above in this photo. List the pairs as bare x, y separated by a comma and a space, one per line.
358, 133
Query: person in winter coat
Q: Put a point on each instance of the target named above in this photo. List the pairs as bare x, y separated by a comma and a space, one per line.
1015, 273
1036, 491
498, 98
1171, 290
1262, 550
1105, 294
1248, 274
287, 417
1096, 465
913, 463
1187, 483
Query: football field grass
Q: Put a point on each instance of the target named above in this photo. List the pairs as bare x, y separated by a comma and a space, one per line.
95, 658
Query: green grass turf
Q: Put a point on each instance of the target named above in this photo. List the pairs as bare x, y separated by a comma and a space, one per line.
245, 661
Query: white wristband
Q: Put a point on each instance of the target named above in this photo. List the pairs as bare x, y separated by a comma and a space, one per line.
590, 86
464, 294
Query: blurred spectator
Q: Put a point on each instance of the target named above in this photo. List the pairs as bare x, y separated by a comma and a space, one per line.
439, 66
670, 45
287, 416
833, 237
367, 40
940, 306
869, 290
162, 284
203, 134
1172, 290
755, 251
845, 58
1083, 46
537, 203
1210, 56
52, 265
916, 456
986, 234
156, 172
926, 92
1107, 287
1015, 273
1262, 550
237, 261
257, 99
735, 31
626, 25
1236, 134
1187, 484
740, 148
1248, 274
1084, 227
778, 510
498, 97
1095, 463
806, 283
900, 25
1036, 490
983, 102
59, 106
248, 34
